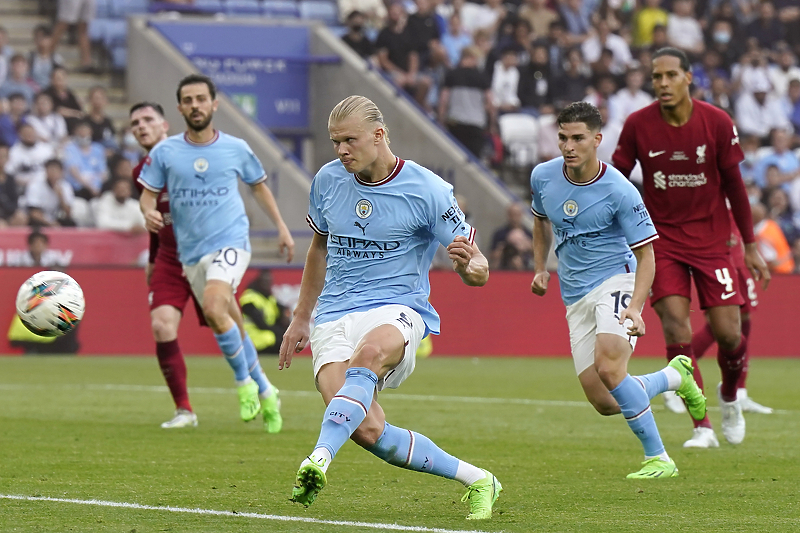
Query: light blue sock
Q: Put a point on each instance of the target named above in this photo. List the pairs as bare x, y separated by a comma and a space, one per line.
412, 451
347, 409
230, 343
635, 406
254, 366
654, 384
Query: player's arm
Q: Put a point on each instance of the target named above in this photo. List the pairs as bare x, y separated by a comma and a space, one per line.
266, 200
733, 185
468, 262
541, 242
624, 158
148, 201
298, 332
645, 272
151, 259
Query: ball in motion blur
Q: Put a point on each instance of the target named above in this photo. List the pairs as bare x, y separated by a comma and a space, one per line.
50, 303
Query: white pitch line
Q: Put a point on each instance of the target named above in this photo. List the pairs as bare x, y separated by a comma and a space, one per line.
389, 396
279, 518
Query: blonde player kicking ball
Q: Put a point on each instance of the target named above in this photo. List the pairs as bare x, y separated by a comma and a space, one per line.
605, 267
377, 221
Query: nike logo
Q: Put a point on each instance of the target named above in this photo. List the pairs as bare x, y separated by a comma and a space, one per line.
726, 296
656, 154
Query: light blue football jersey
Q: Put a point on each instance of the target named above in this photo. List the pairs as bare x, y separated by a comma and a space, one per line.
202, 181
382, 237
596, 224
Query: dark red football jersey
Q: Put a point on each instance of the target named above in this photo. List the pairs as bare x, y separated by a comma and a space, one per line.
681, 166
167, 246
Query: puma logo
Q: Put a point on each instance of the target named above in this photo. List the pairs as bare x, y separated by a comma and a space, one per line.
200, 177
362, 228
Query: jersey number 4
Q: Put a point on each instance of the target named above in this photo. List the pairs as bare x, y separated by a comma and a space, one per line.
724, 277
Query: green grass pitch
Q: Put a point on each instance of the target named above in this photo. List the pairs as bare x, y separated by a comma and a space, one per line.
88, 429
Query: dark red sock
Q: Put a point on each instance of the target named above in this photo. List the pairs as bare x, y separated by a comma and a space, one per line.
688, 351
742, 383
731, 365
170, 359
702, 340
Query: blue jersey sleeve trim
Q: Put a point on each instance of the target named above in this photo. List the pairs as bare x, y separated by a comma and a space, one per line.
314, 227
643, 242
148, 186
262, 179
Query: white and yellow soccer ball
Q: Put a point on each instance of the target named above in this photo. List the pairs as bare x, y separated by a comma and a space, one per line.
50, 303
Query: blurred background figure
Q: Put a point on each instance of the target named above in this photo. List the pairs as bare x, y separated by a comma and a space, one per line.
265, 319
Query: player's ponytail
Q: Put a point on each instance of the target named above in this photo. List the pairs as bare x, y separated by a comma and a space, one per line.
360, 106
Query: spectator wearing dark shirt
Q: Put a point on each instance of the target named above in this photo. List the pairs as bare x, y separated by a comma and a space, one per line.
766, 29
505, 249
424, 30
465, 103
534, 79
571, 86
10, 213
398, 57
355, 36
65, 102
103, 131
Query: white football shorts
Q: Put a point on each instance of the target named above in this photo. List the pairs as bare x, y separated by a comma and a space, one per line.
598, 312
228, 265
336, 341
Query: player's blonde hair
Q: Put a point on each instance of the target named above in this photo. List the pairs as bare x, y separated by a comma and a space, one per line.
359, 106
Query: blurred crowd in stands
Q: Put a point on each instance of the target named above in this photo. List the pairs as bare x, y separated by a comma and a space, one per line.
62, 162
494, 74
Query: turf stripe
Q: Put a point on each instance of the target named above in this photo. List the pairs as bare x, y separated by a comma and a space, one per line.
279, 518
384, 397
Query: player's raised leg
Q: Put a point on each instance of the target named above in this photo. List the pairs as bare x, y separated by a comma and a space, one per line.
164, 322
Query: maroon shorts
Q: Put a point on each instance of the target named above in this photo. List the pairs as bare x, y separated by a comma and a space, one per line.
715, 277
748, 285
168, 286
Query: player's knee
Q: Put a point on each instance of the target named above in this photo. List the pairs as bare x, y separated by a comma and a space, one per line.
163, 330
610, 373
215, 312
604, 406
728, 340
368, 355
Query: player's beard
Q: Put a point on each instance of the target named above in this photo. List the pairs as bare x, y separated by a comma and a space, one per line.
198, 126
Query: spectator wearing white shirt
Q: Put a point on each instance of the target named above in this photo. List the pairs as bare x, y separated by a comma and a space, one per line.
683, 29
50, 126
783, 72
630, 98
117, 210
49, 200
505, 82
27, 157
759, 112
601, 39
476, 17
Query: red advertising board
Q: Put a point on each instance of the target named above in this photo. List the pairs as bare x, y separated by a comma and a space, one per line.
75, 247
502, 318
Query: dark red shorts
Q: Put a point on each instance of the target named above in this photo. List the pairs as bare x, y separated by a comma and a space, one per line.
748, 285
715, 277
168, 286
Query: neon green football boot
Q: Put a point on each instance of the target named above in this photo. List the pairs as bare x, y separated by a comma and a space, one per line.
689, 391
481, 495
655, 468
309, 482
271, 410
249, 404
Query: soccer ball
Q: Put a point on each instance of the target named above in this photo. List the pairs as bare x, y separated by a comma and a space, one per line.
50, 303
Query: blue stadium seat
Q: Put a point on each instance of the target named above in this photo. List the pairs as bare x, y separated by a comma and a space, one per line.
130, 7
103, 9
243, 7
116, 33
322, 10
280, 9
97, 29
210, 6
119, 57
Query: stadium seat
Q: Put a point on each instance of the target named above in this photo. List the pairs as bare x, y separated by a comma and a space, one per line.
116, 33
242, 7
280, 9
119, 57
97, 29
123, 8
103, 9
519, 133
327, 12
210, 6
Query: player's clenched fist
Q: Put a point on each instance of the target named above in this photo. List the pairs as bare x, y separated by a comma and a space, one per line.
153, 221
539, 284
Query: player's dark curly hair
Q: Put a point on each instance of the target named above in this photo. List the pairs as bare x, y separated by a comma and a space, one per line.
192, 79
674, 52
581, 112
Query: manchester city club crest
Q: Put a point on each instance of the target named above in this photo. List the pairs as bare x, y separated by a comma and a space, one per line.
571, 208
200, 164
363, 208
